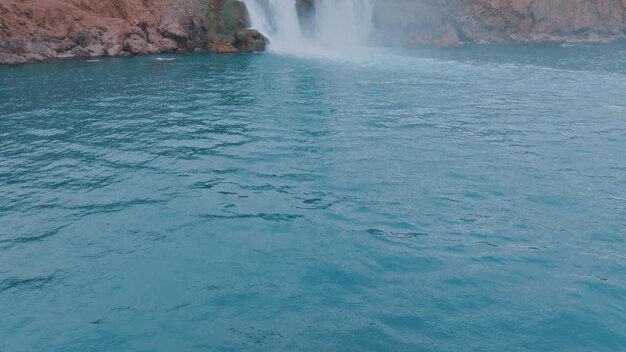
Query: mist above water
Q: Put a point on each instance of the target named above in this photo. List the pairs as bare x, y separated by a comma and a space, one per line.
324, 26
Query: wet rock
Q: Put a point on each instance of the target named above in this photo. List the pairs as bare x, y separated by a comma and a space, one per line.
11, 59
222, 47
250, 40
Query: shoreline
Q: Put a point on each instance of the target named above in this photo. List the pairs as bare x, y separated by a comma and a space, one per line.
40, 30
551, 44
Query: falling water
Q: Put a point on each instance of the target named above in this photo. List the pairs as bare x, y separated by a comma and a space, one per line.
343, 23
277, 20
338, 24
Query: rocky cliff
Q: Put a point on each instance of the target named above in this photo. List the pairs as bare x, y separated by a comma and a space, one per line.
449, 22
37, 30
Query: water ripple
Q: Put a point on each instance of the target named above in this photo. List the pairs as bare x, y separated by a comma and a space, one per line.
409, 200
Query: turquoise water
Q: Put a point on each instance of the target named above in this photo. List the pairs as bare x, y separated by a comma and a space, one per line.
468, 199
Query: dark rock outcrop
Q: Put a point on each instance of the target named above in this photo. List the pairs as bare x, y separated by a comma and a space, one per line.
249, 40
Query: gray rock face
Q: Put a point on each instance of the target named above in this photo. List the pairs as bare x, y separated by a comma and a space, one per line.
65, 45
66, 55
115, 50
450, 22
11, 59
80, 51
87, 37
136, 44
43, 49
95, 50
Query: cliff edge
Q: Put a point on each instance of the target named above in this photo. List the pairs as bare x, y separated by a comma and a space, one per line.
452, 22
38, 30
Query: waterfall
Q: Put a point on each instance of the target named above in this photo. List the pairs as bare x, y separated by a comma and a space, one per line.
337, 24
278, 21
343, 23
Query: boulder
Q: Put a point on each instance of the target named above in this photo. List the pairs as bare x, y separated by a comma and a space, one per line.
250, 40
95, 50
115, 50
80, 51
11, 59
222, 47
135, 44
170, 27
43, 49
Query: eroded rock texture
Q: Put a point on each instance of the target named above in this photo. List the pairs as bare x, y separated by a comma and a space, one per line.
37, 30
445, 22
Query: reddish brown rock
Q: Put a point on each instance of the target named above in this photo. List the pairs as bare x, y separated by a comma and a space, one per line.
450, 22
538, 21
36, 30
171, 27
222, 47
115, 50
47, 29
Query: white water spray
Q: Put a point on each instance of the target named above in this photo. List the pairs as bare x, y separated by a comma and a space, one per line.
338, 24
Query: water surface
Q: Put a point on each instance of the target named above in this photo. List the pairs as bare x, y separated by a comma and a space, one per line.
410, 200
